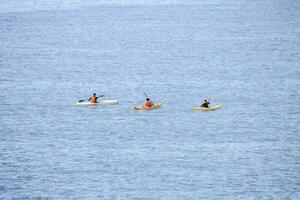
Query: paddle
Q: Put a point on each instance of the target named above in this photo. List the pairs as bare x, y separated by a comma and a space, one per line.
82, 100
149, 99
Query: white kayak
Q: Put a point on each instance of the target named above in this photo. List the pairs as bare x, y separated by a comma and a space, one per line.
101, 102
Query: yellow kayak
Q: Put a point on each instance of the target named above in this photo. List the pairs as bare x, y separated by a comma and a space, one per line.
209, 108
158, 105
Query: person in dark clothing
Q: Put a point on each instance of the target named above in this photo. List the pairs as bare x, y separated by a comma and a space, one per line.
205, 103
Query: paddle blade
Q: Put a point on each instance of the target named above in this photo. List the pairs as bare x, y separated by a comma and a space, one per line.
146, 95
81, 101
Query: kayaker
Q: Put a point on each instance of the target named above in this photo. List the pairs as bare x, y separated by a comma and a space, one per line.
148, 103
93, 99
205, 103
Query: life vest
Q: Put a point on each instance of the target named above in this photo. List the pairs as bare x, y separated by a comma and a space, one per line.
93, 99
148, 103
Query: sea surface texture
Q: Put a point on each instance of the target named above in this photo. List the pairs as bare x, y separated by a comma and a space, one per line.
240, 53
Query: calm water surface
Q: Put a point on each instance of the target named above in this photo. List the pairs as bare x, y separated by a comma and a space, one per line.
242, 54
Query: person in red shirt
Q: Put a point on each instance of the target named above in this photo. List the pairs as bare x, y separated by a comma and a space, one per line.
93, 99
148, 103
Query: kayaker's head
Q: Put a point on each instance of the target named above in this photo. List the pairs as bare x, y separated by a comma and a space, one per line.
94, 94
205, 100
147, 99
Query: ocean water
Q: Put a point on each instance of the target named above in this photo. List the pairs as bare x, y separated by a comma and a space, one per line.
243, 54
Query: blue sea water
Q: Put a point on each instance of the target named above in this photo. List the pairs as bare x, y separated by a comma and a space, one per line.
243, 54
